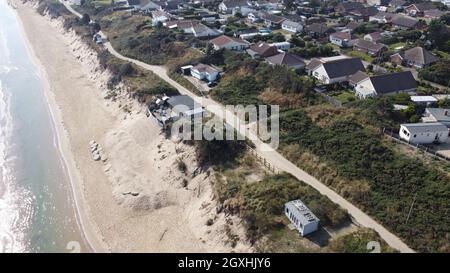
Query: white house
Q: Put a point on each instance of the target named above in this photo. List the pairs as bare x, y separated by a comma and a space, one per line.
424, 133
205, 72
231, 43
159, 16
281, 45
341, 39
386, 84
301, 217
334, 70
200, 30
292, 26
231, 6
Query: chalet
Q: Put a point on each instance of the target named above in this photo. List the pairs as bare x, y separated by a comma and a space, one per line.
231, 43
437, 115
386, 84
341, 39
424, 133
271, 20
292, 26
286, 59
418, 9
301, 217
205, 72
334, 70
371, 48
419, 57
262, 50
318, 30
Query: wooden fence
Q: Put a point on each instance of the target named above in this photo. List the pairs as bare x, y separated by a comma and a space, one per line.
263, 161
426, 149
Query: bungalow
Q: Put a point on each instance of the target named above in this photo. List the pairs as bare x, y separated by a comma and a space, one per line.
334, 70
282, 45
371, 48
386, 84
424, 133
292, 26
363, 14
168, 109
341, 39
159, 16
262, 49
200, 30
382, 17
396, 59
418, 9
424, 100
318, 30
301, 217
378, 2
231, 43
205, 72
437, 115
231, 6
419, 57
271, 20
286, 59
346, 7
374, 37
406, 22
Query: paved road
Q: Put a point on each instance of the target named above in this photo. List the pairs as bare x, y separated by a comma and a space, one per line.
267, 152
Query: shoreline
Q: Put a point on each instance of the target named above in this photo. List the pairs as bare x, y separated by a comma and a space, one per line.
62, 144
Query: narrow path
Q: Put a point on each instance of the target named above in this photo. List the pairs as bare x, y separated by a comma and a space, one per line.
266, 151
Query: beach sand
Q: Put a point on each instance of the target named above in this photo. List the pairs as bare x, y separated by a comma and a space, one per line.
135, 201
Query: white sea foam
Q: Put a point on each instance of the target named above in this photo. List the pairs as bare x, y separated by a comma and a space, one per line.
15, 202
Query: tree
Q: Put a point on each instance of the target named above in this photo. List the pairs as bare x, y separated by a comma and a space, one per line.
85, 19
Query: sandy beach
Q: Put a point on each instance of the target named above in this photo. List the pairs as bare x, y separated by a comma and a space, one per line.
135, 199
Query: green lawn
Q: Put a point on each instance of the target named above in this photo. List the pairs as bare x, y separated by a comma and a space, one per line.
343, 96
397, 46
362, 55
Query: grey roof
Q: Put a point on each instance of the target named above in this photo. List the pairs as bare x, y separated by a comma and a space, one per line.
440, 114
343, 67
235, 3
284, 58
404, 21
318, 28
301, 211
291, 24
357, 77
420, 56
423, 6
313, 64
394, 82
424, 127
368, 45
183, 100
272, 18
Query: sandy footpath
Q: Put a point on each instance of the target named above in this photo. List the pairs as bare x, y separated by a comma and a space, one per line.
136, 200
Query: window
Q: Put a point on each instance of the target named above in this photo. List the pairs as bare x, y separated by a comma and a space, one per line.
414, 135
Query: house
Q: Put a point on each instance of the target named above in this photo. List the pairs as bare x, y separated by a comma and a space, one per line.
406, 22
272, 20
301, 217
231, 43
419, 57
378, 2
318, 30
159, 16
205, 72
354, 79
253, 17
371, 48
341, 39
363, 14
386, 84
437, 115
424, 133
350, 26
292, 26
286, 59
282, 45
418, 9
147, 7
262, 50
334, 70
396, 59
424, 100
169, 109
202, 31
374, 37
231, 6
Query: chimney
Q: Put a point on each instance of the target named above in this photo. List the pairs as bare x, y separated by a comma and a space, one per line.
446, 112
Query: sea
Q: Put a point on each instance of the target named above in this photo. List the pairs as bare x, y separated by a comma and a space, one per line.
37, 209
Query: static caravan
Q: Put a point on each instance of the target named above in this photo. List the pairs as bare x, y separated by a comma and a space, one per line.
301, 217
424, 133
